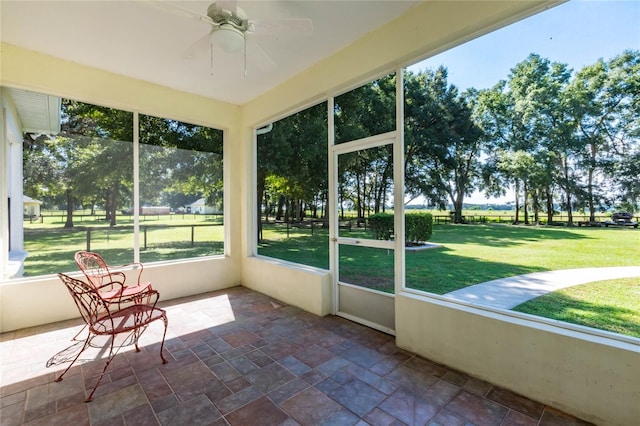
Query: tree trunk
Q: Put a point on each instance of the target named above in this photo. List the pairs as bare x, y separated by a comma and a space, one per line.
113, 205
107, 205
569, 208
287, 210
567, 190
525, 191
457, 207
279, 210
517, 191
69, 222
535, 200
549, 201
592, 165
359, 211
592, 213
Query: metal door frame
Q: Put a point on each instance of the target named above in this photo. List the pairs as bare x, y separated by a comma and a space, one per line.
396, 139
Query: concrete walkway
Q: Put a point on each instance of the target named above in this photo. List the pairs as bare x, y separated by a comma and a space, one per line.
507, 293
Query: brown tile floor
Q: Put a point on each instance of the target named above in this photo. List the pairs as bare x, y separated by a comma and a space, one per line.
240, 358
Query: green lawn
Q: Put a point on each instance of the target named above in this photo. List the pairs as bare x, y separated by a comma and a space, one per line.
471, 254
612, 305
51, 247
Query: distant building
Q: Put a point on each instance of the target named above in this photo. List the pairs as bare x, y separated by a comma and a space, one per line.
31, 207
155, 210
200, 207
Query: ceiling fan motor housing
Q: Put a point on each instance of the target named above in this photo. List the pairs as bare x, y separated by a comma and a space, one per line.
227, 17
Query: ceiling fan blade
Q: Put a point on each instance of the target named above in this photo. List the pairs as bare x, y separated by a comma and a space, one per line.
198, 49
180, 11
259, 56
283, 26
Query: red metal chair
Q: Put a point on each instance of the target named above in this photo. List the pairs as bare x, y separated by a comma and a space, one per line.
112, 285
102, 320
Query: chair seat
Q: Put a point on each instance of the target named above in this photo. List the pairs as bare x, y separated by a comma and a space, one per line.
126, 319
128, 291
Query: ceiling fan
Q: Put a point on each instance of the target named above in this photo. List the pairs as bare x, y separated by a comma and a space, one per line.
230, 30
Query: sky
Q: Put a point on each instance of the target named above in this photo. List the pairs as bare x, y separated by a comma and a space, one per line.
576, 33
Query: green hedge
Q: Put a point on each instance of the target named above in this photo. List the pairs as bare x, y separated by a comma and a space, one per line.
418, 226
381, 224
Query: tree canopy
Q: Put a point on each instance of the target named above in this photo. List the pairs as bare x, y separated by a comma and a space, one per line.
90, 162
558, 139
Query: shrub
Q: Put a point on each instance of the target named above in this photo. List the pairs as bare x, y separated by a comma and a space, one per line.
418, 226
381, 224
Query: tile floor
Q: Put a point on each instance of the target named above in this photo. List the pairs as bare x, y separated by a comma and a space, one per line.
237, 357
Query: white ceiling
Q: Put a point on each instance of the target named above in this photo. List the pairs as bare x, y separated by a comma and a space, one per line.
153, 41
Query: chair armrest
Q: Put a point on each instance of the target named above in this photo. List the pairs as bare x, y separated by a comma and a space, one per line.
123, 277
116, 288
136, 265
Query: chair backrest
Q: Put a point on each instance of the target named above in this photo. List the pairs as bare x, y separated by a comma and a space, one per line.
91, 306
94, 268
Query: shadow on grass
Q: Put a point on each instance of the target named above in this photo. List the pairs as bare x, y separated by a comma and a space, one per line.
438, 271
499, 235
52, 262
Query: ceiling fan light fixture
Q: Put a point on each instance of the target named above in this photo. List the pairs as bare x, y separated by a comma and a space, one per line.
228, 38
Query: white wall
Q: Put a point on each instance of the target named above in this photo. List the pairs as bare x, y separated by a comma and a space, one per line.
306, 288
595, 378
30, 302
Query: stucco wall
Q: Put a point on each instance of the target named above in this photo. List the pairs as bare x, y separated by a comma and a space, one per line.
31, 302
592, 377
296, 285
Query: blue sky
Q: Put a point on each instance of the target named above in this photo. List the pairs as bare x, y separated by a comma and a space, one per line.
576, 33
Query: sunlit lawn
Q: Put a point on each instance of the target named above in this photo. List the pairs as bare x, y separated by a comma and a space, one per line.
612, 305
51, 247
469, 254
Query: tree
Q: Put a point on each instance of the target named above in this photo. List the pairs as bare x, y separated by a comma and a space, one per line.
292, 165
180, 163
600, 96
366, 176
101, 161
528, 113
443, 142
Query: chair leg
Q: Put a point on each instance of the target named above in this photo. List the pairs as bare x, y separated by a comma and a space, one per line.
84, 346
104, 370
166, 324
80, 332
